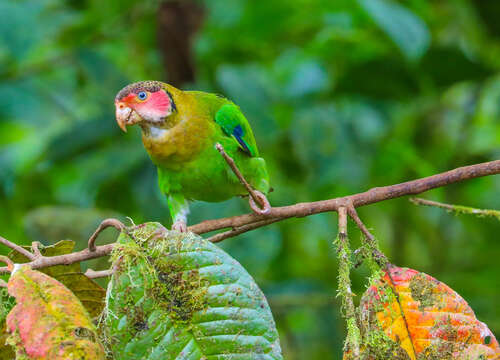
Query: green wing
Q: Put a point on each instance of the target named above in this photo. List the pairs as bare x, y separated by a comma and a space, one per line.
234, 124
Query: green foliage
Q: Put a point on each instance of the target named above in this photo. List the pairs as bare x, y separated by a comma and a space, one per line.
407, 30
6, 304
176, 295
338, 100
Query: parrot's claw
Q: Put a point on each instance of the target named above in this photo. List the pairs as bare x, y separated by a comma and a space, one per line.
180, 226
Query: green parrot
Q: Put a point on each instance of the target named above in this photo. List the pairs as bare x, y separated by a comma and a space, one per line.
179, 131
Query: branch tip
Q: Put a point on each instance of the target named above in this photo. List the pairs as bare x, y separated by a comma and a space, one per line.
117, 224
35, 247
459, 209
9, 262
17, 248
93, 274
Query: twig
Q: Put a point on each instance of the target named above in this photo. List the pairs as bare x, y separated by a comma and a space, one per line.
256, 196
369, 239
371, 196
460, 209
92, 274
35, 247
118, 225
68, 259
6, 260
6, 269
240, 230
344, 290
17, 248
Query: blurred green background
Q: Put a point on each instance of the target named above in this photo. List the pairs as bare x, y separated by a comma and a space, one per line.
342, 96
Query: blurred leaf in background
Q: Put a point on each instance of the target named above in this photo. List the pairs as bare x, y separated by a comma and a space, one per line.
342, 96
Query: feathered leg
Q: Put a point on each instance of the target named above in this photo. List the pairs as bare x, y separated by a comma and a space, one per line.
179, 209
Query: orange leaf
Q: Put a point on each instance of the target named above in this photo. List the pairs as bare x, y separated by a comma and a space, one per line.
407, 314
48, 321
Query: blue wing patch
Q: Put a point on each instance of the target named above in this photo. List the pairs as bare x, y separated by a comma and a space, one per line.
234, 124
238, 135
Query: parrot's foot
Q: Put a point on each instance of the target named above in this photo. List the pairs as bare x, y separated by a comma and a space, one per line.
263, 207
180, 226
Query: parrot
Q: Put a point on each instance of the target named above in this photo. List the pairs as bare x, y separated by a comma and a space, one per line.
180, 132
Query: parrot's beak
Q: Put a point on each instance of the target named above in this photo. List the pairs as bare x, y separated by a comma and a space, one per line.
126, 116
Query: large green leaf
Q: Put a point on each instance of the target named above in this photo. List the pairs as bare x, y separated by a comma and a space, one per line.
178, 296
405, 28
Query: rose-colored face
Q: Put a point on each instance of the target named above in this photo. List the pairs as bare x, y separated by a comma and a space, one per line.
142, 105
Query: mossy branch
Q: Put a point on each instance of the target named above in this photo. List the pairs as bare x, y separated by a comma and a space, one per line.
353, 338
458, 209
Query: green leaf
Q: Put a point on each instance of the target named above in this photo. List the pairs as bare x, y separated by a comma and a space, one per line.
178, 296
86, 290
405, 28
6, 304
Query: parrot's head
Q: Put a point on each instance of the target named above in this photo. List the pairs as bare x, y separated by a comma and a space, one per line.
145, 103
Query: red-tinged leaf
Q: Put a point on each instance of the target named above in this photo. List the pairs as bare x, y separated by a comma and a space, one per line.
48, 321
86, 290
406, 314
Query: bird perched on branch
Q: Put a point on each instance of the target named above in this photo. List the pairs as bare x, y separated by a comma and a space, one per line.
180, 130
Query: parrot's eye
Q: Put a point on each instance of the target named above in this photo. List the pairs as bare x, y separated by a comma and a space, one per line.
142, 95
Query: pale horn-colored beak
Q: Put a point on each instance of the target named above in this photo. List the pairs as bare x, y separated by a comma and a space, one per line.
125, 116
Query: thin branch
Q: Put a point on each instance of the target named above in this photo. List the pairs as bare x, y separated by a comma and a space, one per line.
68, 259
118, 225
35, 247
6, 269
17, 248
369, 239
240, 230
460, 209
371, 196
6, 260
93, 274
256, 196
